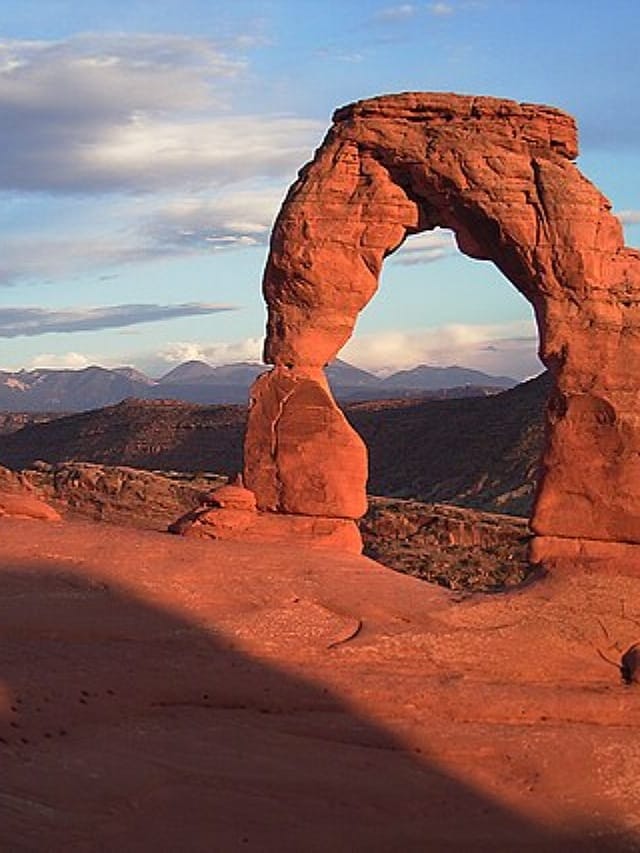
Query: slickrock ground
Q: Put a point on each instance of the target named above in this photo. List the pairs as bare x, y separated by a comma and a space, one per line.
458, 548
158, 693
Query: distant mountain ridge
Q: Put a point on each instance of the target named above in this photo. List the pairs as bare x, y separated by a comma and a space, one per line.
429, 378
195, 381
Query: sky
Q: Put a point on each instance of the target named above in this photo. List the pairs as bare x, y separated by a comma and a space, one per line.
147, 146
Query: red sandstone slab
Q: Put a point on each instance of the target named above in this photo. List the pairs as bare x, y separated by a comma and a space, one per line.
171, 693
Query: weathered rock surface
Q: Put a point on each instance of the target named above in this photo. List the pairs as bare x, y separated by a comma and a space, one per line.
13, 483
500, 175
458, 548
117, 494
19, 500
27, 506
166, 694
301, 454
233, 496
269, 527
230, 512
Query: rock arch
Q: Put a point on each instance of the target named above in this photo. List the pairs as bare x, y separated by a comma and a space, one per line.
501, 175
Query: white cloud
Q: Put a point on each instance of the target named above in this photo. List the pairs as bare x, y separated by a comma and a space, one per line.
137, 113
153, 153
425, 248
249, 349
500, 349
400, 12
441, 10
629, 217
157, 227
61, 361
507, 349
142, 114
34, 257
238, 218
114, 75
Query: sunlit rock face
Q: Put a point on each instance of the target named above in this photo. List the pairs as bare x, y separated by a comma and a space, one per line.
301, 454
502, 176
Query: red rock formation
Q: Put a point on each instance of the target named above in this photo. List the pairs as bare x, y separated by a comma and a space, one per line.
301, 455
18, 500
232, 514
27, 506
500, 175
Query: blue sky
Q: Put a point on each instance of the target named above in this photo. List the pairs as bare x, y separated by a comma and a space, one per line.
146, 147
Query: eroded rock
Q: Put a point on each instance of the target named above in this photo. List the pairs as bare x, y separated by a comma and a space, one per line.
27, 506
19, 500
250, 525
301, 454
502, 176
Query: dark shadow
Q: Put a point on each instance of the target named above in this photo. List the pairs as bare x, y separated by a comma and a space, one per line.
127, 727
467, 452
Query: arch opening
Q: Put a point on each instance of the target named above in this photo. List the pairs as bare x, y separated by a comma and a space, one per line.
436, 332
453, 456
435, 305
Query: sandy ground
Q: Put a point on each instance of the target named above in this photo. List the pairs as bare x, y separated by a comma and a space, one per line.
162, 694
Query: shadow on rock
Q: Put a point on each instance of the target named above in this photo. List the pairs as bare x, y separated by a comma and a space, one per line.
124, 726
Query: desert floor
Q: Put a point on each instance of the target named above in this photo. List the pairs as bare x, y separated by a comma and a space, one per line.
168, 694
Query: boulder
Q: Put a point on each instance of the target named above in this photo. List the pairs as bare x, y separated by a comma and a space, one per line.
26, 505
263, 527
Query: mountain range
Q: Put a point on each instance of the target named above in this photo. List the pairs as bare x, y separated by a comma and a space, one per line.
50, 390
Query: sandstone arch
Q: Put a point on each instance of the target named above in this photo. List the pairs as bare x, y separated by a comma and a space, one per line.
501, 175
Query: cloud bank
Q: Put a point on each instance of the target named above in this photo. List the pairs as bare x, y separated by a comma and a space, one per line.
100, 113
629, 217
425, 248
218, 353
501, 349
144, 124
162, 227
27, 321
509, 349
240, 218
